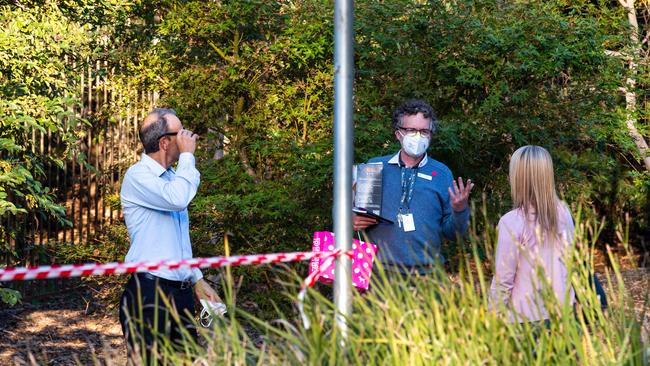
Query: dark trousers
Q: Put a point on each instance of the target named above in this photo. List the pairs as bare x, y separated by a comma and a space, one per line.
147, 317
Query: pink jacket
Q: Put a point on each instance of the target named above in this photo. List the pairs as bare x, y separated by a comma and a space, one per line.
520, 256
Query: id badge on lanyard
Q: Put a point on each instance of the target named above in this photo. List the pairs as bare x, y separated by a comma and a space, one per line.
405, 220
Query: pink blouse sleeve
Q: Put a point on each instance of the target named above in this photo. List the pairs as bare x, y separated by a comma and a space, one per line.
506, 259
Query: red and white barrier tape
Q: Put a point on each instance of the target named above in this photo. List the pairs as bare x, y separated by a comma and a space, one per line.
101, 269
309, 282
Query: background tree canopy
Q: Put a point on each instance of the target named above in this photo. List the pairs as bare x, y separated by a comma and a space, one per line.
500, 75
257, 76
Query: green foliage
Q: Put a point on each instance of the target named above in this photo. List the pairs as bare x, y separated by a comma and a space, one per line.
259, 73
257, 77
109, 246
37, 96
500, 75
9, 296
260, 76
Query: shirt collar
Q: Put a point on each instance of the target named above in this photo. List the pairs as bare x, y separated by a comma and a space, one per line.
396, 161
153, 165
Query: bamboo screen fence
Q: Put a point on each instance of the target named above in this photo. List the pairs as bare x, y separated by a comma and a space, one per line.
86, 185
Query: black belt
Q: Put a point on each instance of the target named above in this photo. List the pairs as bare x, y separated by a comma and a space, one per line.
182, 285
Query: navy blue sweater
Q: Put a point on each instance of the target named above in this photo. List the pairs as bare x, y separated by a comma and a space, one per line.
432, 213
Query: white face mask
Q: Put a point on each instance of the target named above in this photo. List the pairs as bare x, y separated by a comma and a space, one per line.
415, 146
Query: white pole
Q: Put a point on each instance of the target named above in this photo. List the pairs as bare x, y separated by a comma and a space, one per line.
343, 156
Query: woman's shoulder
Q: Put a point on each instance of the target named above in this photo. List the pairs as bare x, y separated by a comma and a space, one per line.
514, 219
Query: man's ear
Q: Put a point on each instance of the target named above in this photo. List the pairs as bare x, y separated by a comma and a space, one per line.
398, 136
163, 143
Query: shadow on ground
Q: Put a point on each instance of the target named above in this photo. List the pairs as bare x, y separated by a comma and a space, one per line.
68, 328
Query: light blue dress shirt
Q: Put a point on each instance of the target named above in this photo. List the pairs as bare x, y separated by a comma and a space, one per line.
154, 203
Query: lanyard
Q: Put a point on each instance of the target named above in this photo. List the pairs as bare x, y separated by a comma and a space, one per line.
407, 188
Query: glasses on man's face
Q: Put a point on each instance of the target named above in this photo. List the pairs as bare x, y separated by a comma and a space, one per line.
425, 132
168, 134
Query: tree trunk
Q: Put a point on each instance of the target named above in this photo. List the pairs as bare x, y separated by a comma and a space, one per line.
630, 95
630, 105
241, 150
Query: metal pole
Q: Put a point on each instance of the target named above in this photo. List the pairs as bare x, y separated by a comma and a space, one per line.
343, 156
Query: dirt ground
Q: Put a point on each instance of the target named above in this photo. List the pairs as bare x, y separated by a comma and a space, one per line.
637, 285
70, 328
63, 329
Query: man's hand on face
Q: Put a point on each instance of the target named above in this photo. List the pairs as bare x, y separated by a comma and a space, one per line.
459, 196
186, 141
361, 222
203, 290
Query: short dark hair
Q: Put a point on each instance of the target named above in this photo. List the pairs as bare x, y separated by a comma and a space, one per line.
413, 107
150, 135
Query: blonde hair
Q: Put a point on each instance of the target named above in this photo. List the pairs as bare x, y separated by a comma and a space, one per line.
532, 185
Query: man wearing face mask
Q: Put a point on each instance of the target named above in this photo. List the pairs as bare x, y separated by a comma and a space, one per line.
419, 194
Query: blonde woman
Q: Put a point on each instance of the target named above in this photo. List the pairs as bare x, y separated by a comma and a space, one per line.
533, 240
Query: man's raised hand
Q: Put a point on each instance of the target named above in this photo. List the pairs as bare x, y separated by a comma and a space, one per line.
459, 195
186, 141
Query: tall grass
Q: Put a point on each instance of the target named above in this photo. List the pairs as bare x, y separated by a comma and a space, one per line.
443, 320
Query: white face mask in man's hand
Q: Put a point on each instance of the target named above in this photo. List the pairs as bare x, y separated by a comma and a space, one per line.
415, 145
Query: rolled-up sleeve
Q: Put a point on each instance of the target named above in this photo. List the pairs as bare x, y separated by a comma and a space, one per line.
196, 275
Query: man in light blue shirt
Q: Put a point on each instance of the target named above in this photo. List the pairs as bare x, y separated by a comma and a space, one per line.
154, 200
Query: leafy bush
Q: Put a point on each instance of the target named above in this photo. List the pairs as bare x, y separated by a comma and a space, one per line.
500, 75
37, 97
257, 77
9, 296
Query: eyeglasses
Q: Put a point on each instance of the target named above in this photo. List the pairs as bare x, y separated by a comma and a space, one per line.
168, 134
414, 131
